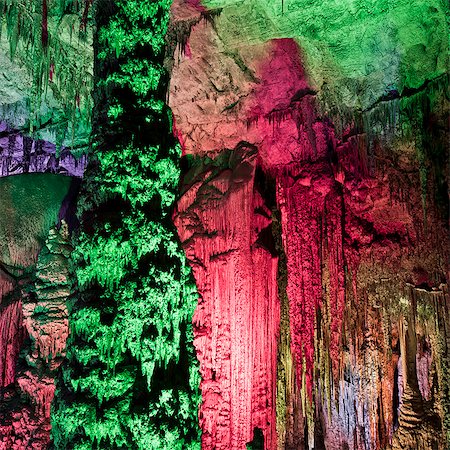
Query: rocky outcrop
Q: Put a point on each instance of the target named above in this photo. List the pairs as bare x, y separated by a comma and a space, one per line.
40, 315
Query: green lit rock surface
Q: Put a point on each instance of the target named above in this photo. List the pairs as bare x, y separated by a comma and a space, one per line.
355, 50
46, 56
131, 379
29, 206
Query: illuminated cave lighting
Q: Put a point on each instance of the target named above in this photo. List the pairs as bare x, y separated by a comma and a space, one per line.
268, 273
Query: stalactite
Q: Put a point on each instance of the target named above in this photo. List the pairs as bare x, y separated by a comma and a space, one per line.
333, 239
40, 36
12, 334
308, 206
40, 389
419, 422
44, 34
304, 271
84, 19
312, 232
179, 30
290, 422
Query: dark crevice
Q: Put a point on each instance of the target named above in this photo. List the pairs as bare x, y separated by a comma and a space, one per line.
258, 440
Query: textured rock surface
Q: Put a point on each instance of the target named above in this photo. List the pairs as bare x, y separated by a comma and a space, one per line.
32, 314
225, 227
31, 204
42, 316
355, 51
358, 208
45, 90
28, 388
21, 154
313, 211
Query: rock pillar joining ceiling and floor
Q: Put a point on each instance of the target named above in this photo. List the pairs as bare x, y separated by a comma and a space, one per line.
225, 227
359, 238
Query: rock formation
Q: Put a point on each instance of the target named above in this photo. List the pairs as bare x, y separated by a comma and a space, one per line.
37, 311
361, 252
312, 208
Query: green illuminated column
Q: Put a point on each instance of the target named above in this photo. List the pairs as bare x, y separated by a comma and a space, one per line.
131, 379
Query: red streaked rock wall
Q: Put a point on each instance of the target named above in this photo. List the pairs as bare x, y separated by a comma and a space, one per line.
11, 337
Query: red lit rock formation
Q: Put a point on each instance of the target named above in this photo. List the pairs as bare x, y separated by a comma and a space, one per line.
225, 226
11, 337
360, 260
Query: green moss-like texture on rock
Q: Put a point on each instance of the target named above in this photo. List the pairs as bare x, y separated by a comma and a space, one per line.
131, 380
355, 50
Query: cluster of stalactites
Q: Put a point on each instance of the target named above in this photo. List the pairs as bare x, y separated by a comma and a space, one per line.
53, 39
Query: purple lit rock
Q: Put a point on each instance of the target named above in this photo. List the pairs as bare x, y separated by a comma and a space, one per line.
23, 154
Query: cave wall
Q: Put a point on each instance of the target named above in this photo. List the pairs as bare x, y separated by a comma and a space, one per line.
357, 223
